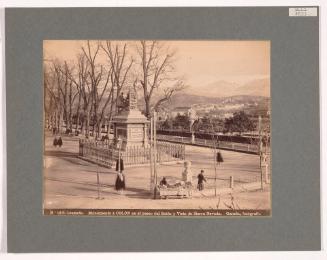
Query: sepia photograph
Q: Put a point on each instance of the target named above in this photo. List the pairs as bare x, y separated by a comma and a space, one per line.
157, 128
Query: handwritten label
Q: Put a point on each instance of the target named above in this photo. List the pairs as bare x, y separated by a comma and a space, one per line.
303, 11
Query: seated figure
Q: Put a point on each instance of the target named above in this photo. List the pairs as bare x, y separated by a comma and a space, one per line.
163, 182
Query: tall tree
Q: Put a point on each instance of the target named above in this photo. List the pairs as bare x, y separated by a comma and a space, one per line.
71, 92
59, 90
99, 79
120, 64
51, 98
157, 74
239, 122
79, 78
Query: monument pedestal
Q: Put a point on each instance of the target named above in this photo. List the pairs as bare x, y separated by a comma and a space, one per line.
131, 125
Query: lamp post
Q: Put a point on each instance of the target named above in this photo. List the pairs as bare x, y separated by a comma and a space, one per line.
155, 152
214, 155
98, 174
192, 116
153, 155
260, 150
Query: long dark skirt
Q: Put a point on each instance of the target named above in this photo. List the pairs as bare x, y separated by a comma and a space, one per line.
60, 143
120, 184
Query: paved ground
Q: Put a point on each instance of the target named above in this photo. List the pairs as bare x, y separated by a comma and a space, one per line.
70, 182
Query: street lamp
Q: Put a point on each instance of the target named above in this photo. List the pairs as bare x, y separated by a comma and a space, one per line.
153, 153
192, 116
260, 150
98, 174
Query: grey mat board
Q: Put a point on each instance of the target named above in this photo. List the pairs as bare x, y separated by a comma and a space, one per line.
295, 221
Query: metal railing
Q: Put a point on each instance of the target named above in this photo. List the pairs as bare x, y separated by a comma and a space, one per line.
106, 154
252, 148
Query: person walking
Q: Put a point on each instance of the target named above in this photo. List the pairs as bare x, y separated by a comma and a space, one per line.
201, 179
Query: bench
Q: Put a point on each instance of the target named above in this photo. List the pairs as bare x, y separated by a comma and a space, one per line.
180, 191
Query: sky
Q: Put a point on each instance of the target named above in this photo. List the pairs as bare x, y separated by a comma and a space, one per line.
200, 62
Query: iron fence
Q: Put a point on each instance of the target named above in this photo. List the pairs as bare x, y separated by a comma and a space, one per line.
251, 148
106, 154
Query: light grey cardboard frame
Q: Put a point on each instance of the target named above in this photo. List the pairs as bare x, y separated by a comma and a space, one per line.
295, 221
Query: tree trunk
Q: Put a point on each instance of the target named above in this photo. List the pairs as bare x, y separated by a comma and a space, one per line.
70, 118
147, 108
99, 128
60, 122
77, 121
77, 113
83, 126
71, 122
87, 124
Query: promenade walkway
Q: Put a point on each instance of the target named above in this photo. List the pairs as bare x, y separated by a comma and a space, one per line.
70, 182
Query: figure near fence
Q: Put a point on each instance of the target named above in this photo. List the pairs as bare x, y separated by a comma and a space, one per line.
120, 183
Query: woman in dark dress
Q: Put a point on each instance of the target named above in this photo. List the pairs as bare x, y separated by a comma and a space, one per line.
201, 179
55, 142
120, 183
59, 141
220, 158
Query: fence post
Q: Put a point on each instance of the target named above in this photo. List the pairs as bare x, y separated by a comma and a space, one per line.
231, 182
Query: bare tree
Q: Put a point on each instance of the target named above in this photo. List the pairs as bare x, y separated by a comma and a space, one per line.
56, 83
51, 97
87, 88
80, 79
120, 67
99, 79
157, 74
71, 94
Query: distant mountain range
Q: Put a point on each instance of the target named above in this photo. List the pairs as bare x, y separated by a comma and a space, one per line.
221, 93
187, 100
257, 87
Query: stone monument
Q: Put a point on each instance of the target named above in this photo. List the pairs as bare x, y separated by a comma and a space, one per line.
187, 173
130, 124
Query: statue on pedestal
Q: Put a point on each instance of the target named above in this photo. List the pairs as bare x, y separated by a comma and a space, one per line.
187, 173
122, 102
